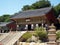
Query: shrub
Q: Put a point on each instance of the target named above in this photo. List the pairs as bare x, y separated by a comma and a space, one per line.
58, 34
26, 36
39, 29
41, 32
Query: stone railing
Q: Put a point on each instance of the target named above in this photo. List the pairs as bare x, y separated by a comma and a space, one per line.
32, 43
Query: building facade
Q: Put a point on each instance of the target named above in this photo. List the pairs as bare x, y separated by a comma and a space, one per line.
28, 20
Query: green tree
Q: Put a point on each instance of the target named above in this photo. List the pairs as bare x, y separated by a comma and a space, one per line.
26, 7
37, 5
41, 4
57, 10
5, 18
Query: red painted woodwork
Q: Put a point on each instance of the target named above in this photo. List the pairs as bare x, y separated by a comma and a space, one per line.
12, 26
50, 17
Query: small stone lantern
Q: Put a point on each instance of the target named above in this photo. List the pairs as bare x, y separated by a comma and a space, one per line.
52, 35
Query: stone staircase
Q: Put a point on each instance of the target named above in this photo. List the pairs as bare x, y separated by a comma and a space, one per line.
12, 38
3, 35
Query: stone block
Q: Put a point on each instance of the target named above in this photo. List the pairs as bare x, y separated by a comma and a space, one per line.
58, 42
51, 43
52, 37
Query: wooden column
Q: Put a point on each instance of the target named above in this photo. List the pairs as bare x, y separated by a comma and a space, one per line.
37, 25
26, 27
32, 26
17, 27
2, 31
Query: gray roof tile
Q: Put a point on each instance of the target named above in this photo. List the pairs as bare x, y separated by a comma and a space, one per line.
4, 23
32, 13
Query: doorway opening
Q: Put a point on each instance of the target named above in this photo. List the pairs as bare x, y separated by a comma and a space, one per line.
29, 26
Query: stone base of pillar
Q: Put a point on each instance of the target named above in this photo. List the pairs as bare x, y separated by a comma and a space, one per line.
58, 42
51, 43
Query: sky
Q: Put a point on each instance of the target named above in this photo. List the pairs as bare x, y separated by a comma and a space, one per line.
14, 6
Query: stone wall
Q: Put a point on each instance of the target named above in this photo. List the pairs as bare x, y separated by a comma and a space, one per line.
32, 43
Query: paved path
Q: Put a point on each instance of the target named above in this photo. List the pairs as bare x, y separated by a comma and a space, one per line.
12, 38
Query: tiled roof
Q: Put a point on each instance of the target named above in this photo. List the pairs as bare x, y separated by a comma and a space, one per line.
4, 23
31, 13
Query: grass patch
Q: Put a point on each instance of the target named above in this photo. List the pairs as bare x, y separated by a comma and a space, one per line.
26, 36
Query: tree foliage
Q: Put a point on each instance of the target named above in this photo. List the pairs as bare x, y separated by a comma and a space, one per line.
57, 10
37, 5
5, 18
58, 34
26, 7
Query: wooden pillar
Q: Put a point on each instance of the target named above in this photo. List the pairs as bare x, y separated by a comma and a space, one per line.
17, 27
10, 29
37, 25
26, 27
42, 24
32, 26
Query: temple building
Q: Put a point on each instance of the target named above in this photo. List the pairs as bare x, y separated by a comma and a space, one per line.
28, 20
